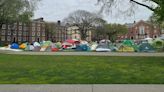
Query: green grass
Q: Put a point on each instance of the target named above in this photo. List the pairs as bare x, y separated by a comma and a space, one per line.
22, 69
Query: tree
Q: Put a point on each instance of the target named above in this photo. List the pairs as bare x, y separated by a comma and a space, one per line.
84, 20
16, 10
157, 6
112, 30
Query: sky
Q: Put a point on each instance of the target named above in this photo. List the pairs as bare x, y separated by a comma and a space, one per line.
54, 10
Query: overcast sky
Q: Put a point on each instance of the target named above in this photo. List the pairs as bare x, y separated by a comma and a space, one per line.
53, 10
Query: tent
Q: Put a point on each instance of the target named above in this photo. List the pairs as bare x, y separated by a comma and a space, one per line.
58, 45
37, 48
54, 48
23, 46
146, 47
158, 43
93, 46
148, 40
36, 44
128, 43
14, 46
82, 47
124, 48
128, 46
46, 43
103, 47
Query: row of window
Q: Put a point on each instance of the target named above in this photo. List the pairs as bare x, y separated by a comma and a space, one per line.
10, 39
38, 34
33, 39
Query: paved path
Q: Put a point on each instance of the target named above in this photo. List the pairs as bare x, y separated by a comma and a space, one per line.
82, 88
86, 53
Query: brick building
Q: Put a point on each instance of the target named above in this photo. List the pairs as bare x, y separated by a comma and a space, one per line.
141, 30
56, 32
23, 32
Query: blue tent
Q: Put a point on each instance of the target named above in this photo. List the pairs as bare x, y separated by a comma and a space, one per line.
146, 47
82, 48
14, 46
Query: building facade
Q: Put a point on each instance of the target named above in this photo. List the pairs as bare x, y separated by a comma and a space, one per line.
141, 30
73, 32
56, 32
23, 32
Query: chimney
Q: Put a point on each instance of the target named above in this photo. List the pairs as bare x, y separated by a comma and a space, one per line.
134, 22
59, 22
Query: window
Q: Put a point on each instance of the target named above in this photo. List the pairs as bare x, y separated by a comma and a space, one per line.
162, 31
9, 32
33, 39
20, 33
38, 33
8, 38
24, 38
141, 30
4, 26
20, 23
43, 25
43, 33
14, 32
25, 28
33, 33
155, 31
33, 24
3, 32
24, 33
20, 27
38, 28
38, 24
19, 38
33, 28
9, 27
3, 38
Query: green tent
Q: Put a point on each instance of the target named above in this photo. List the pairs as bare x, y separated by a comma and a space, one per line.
158, 43
129, 46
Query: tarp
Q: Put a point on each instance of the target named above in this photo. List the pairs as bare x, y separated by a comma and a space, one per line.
14, 46
146, 47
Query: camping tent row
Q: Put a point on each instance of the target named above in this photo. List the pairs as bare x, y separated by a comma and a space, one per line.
104, 46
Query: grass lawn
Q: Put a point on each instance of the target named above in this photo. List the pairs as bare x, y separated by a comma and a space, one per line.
17, 69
